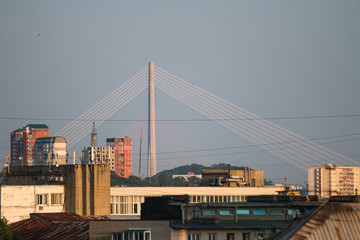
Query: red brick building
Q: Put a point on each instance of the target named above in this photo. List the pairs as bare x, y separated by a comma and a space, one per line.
22, 143
122, 155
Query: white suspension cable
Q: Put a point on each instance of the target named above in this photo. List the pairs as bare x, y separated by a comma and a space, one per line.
84, 115
218, 110
262, 121
231, 127
329, 153
125, 100
105, 113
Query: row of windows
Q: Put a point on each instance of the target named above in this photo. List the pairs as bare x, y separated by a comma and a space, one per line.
213, 236
133, 235
55, 199
224, 212
124, 208
127, 199
204, 199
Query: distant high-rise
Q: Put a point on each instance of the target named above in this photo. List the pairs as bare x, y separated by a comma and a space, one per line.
117, 153
123, 155
23, 141
330, 180
50, 151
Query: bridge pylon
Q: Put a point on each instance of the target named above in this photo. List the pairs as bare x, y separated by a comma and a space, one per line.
151, 125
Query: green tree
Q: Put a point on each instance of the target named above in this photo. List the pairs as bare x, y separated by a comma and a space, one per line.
6, 233
179, 181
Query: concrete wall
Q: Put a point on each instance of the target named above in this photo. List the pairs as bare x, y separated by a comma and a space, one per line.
88, 189
17, 202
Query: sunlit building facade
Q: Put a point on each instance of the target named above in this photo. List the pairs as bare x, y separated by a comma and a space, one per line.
332, 180
23, 141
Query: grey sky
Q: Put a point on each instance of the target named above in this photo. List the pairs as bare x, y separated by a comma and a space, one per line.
273, 58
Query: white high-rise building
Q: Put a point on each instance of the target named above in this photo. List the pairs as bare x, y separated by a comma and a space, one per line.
332, 180
50, 151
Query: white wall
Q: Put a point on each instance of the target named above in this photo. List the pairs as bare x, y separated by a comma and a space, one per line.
18, 201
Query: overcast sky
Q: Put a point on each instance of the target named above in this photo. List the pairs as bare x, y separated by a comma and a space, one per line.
273, 58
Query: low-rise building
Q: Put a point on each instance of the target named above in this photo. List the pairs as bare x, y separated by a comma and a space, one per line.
18, 201
87, 191
187, 176
233, 178
128, 200
81, 189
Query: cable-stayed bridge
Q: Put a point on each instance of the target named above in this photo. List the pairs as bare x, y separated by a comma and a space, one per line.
196, 126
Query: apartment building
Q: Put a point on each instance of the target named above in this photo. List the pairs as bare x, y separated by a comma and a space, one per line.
50, 151
331, 180
117, 153
23, 143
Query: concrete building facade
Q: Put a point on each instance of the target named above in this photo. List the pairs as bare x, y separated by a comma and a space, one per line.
23, 143
126, 201
18, 201
99, 155
50, 151
84, 189
331, 180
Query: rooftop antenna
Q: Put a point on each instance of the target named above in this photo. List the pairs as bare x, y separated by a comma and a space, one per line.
93, 136
140, 153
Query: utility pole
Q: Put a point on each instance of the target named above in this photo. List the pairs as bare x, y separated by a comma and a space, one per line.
8, 162
93, 136
140, 153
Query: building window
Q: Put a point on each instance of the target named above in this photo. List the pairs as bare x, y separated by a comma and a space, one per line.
226, 212
133, 234
212, 236
194, 236
246, 236
56, 199
41, 199
230, 236
276, 212
243, 211
260, 212
208, 212
125, 205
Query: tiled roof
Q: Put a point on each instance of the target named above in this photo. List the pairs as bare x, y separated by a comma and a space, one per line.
59, 217
37, 229
55, 226
331, 221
